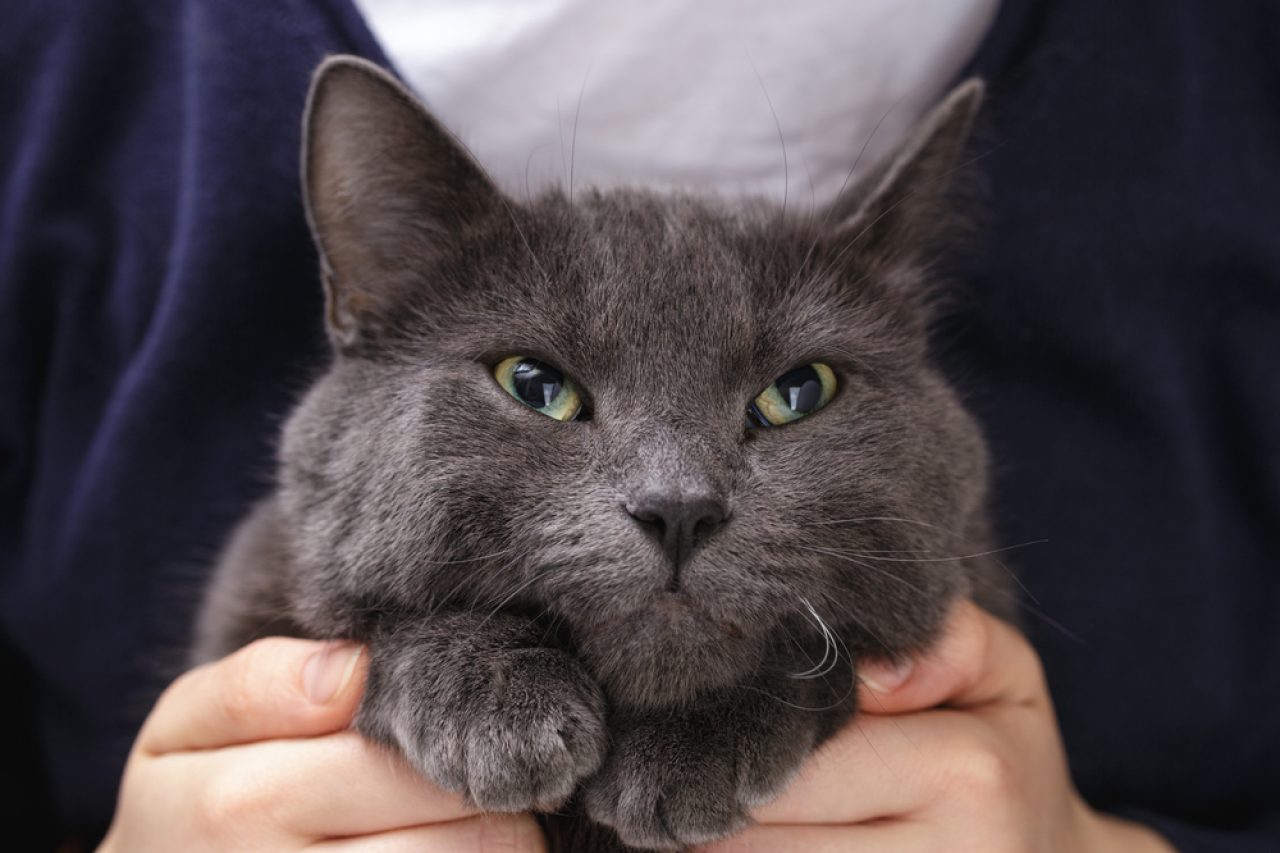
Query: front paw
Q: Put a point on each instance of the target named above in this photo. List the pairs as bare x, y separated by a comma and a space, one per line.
518, 732
673, 780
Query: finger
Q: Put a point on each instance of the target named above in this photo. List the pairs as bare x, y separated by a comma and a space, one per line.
336, 785
978, 660
495, 832
897, 836
862, 773
896, 766
273, 688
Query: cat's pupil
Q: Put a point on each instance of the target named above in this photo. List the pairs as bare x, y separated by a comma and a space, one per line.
536, 383
801, 389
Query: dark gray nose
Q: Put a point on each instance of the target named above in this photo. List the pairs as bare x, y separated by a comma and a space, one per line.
678, 522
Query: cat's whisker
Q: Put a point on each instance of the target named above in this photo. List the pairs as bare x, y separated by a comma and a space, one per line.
573, 142
552, 625
880, 518
786, 165
830, 653
1033, 608
868, 555
450, 597
462, 560
853, 617
834, 643
813, 191
891, 551
1011, 594
815, 710
1055, 624
857, 679
839, 555
564, 164
521, 587
791, 638
844, 185
528, 190
866, 738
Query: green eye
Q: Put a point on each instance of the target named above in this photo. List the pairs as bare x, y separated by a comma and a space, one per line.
539, 386
795, 394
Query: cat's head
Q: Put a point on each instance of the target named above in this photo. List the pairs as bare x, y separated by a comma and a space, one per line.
560, 406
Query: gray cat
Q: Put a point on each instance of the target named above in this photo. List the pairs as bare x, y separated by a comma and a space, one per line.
617, 488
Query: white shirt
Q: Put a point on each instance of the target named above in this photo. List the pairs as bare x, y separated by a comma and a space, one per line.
673, 93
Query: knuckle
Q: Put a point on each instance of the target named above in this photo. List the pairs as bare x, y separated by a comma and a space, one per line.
229, 801
982, 769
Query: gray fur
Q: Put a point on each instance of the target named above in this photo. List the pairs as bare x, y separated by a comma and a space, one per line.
530, 645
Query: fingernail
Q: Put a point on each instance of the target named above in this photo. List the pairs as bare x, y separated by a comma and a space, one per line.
329, 670
886, 676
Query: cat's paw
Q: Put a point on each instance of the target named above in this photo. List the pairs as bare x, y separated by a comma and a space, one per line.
672, 781
517, 734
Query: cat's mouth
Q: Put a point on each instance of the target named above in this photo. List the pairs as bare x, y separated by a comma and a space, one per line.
678, 610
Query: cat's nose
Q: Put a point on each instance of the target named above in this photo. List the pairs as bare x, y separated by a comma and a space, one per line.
678, 522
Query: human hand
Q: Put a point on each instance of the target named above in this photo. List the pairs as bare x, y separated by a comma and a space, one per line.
252, 753
958, 750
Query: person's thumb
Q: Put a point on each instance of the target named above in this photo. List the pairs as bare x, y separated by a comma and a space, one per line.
273, 688
977, 660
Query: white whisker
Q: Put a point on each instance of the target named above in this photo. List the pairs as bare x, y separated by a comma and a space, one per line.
830, 653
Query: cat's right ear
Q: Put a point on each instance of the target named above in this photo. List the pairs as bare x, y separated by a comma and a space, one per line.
388, 191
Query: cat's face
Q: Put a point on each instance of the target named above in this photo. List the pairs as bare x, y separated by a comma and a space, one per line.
677, 542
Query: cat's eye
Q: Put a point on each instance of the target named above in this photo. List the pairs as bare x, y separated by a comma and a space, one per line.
793, 395
540, 386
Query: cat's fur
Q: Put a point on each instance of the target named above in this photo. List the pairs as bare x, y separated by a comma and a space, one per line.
530, 643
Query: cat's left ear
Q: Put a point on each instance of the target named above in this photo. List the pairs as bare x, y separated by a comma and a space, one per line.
902, 207
389, 192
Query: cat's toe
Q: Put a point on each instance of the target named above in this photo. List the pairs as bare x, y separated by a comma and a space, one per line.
523, 738
541, 734
658, 804
698, 814
765, 766
677, 779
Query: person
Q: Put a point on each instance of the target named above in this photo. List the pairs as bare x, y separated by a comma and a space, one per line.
1114, 334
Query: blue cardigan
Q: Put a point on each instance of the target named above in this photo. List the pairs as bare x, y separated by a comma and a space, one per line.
1118, 333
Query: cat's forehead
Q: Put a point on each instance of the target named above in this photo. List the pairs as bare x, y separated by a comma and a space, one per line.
680, 284
657, 272
653, 295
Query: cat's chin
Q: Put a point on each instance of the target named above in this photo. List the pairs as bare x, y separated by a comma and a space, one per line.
668, 652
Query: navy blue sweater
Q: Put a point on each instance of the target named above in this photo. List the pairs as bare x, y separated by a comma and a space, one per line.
1118, 333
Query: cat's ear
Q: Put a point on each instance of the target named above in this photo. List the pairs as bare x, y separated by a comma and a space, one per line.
388, 191
902, 208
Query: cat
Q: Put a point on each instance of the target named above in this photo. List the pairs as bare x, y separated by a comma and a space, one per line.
617, 488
